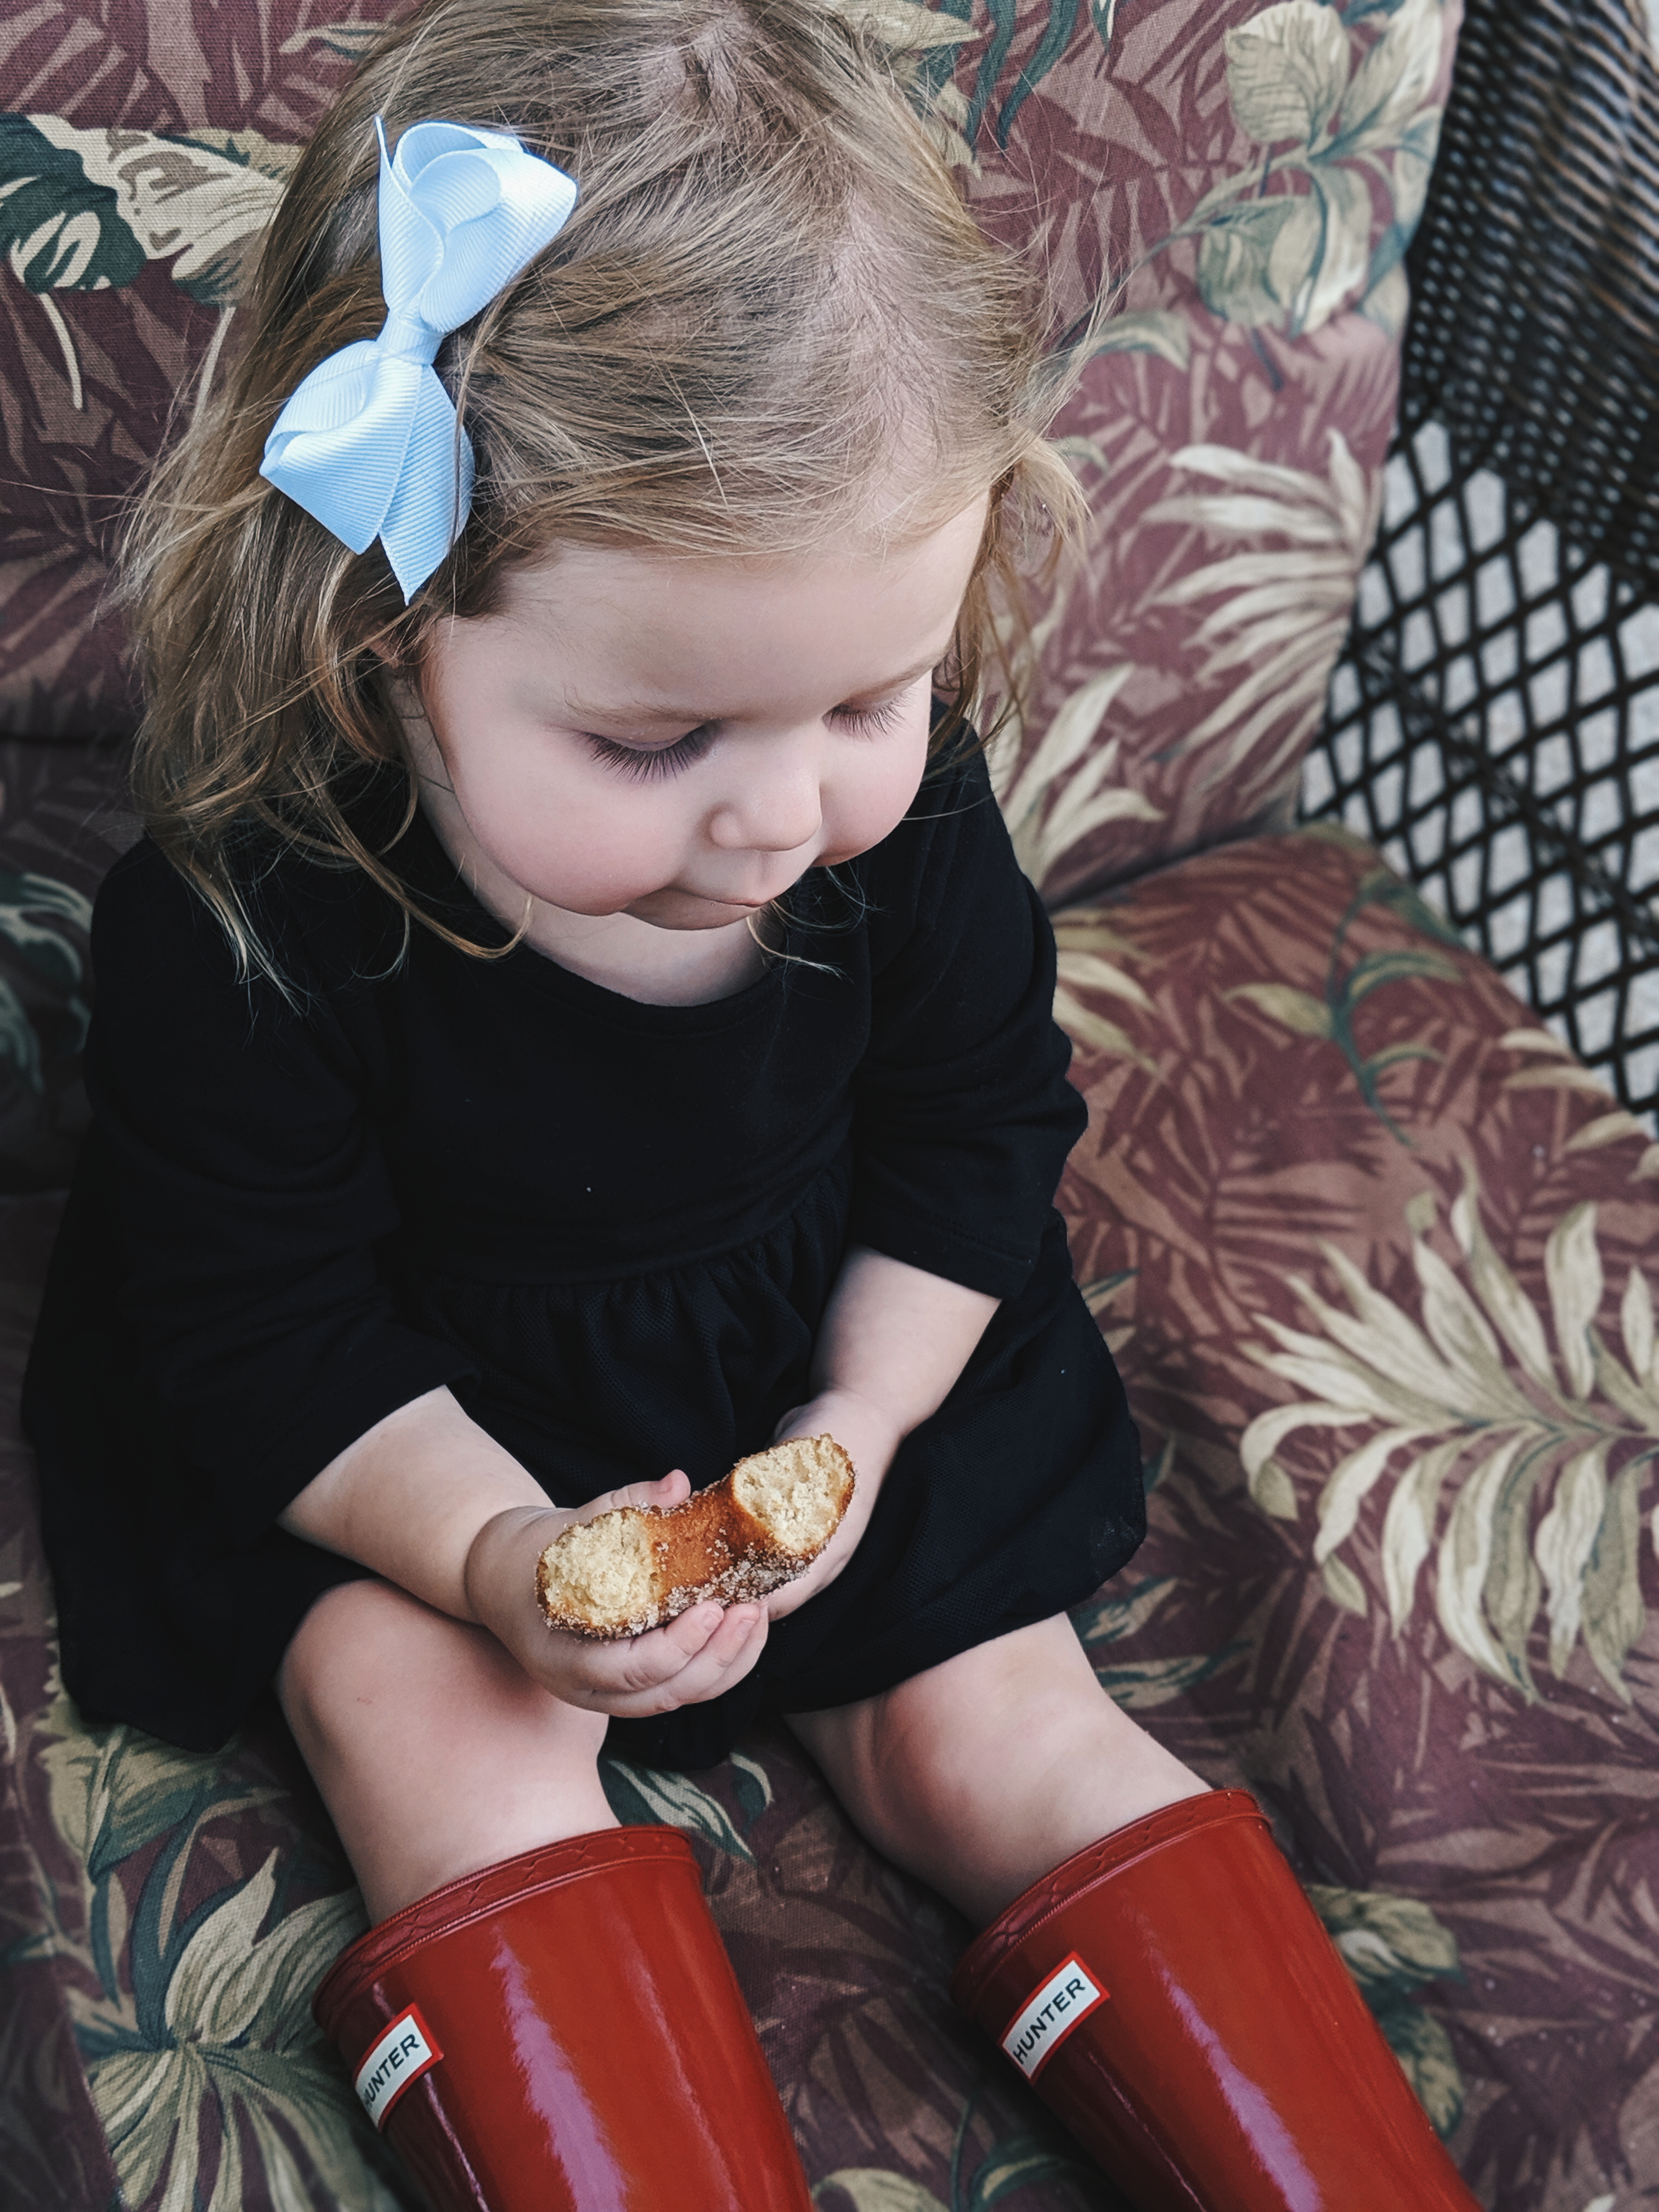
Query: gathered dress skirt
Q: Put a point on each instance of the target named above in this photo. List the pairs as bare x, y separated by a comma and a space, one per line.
1016, 1499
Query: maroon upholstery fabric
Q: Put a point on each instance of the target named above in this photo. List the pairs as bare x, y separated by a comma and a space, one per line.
1376, 1256
1379, 1261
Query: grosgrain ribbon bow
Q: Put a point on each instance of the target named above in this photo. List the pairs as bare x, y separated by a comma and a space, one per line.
368, 443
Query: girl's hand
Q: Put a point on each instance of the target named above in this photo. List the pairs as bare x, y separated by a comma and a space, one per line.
870, 1435
692, 1659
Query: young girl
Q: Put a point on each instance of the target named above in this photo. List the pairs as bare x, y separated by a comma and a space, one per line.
576, 1018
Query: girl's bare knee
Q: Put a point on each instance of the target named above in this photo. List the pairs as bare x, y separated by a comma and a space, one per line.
373, 1674
434, 1752
880, 1766
354, 1638
985, 1770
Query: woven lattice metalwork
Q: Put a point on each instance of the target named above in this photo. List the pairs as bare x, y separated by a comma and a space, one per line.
1494, 727
1494, 721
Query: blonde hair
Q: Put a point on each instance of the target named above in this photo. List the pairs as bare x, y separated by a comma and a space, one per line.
769, 325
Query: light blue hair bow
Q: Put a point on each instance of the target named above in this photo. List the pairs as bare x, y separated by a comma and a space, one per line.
368, 442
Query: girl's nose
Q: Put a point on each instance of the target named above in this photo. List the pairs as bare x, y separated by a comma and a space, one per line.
773, 804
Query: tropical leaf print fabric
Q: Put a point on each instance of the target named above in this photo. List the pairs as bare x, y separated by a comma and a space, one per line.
1473, 1406
1378, 1263
62, 822
85, 210
1261, 171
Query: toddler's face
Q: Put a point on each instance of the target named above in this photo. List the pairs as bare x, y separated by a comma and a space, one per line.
680, 740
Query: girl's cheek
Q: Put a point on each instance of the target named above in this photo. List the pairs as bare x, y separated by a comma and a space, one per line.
592, 864
873, 801
561, 835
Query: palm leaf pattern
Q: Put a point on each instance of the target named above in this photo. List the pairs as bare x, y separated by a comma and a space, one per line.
1089, 953
202, 2014
1473, 1406
220, 2018
845, 1962
1282, 614
1348, 982
214, 2086
1392, 1946
1014, 2164
646, 1794
1063, 792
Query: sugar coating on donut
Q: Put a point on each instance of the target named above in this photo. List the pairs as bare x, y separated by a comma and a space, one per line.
756, 1528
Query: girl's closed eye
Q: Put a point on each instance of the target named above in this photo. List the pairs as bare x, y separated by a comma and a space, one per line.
650, 763
870, 721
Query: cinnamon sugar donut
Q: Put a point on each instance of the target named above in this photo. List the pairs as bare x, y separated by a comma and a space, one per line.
756, 1528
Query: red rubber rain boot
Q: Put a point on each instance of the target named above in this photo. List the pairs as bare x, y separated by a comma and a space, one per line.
1174, 2001
563, 2032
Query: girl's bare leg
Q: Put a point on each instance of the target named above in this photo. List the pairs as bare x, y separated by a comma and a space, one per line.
589, 2031
983, 1774
434, 1752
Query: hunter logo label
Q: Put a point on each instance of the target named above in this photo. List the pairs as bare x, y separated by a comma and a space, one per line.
406, 2051
1043, 2022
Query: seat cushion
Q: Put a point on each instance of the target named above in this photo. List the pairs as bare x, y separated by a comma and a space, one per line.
1377, 1260
1261, 173
1379, 1263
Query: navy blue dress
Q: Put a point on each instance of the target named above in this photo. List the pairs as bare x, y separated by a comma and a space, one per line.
610, 1228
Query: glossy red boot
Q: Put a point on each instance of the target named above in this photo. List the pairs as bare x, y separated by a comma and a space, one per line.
563, 2032
1173, 1999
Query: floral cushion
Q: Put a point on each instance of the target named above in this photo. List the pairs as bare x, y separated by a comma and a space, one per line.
1379, 1266
1376, 1255
1379, 1263
1377, 1260
1248, 175
1262, 171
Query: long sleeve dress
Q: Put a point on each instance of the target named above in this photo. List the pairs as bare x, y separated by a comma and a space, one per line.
610, 1228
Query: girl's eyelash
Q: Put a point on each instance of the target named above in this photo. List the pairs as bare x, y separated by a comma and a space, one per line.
870, 721
643, 764
649, 765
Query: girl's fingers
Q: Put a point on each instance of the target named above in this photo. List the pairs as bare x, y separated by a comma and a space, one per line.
637, 1664
654, 1673
673, 1490
727, 1656
829, 1562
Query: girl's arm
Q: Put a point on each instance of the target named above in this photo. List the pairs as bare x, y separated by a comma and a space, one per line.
897, 1337
892, 1344
410, 1495
962, 1120
430, 1501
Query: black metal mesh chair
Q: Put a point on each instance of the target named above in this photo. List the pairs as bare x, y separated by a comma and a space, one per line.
1494, 719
